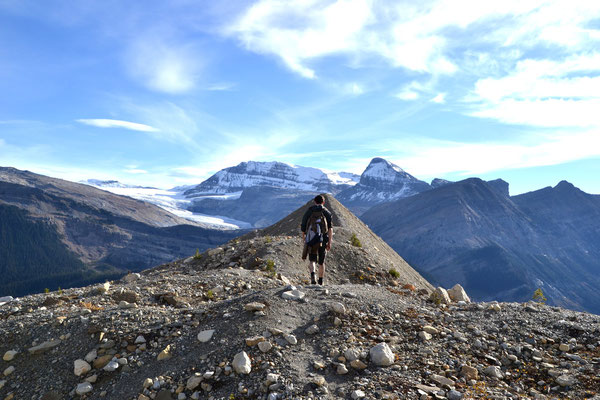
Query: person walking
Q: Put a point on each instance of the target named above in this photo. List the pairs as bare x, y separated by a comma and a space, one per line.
317, 234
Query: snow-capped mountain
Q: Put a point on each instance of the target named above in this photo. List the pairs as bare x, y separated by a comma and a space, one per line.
274, 174
382, 181
110, 184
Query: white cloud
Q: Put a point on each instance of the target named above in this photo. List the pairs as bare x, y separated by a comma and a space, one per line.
136, 171
439, 99
163, 65
434, 158
115, 123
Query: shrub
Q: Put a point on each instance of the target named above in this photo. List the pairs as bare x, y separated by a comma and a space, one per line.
354, 241
198, 255
268, 239
46, 290
270, 267
210, 294
394, 273
538, 296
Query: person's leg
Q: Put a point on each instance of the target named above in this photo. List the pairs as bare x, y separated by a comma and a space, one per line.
321, 264
312, 267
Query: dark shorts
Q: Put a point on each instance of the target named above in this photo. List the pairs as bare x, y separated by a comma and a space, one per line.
319, 257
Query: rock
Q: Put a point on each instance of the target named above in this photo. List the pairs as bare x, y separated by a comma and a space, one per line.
428, 389
319, 380
254, 340
352, 354
425, 336
91, 356
494, 306
83, 388
566, 380
337, 308
241, 363
42, 348
341, 369
9, 355
272, 378
493, 371
457, 293
293, 295
81, 367
440, 296
164, 395
431, 330
337, 321
358, 364
111, 366
125, 295
255, 306
140, 339
2, 383
193, 382
357, 394
147, 383
469, 372
382, 355
311, 330
564, 347
206, 335
454, 395
131, 277
265, 346
92, 379
442, 380
101, 362
291, 339
125, 305
165, 354
9, 370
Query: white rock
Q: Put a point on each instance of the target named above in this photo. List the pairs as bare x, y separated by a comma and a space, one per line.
431, 330
206, 335
147, 383
293, 295
92, 379
241, 363
111, 366
494, 306
457, 293
341, 369
81, 367
337, 321
9, 370
311, 330
566, 380
358, 394
91, 356
382, 355
272, 378
425, 336
265, 346
440, 295
493, 371
352, 354
83, 388
122, 361
337, 308
254, 306
208, 374
291, 339
9, 355
140, 339
131, 277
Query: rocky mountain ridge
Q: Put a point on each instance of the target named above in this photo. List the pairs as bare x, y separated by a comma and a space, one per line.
238, 322
500, 247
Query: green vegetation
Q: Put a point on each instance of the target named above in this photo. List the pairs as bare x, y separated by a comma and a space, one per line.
210, 294
538, 296
198, 255
46, 290
270, 268
394, 273
354, 241
268, 239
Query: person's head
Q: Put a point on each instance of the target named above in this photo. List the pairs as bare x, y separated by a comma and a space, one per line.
319, 199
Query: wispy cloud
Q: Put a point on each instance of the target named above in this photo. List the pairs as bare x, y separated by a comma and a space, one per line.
439, 99
136, 171
115, 123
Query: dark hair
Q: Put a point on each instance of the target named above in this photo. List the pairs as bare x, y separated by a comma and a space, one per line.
319, 199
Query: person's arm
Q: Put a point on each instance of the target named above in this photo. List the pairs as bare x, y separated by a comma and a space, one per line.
303, 225
330, 236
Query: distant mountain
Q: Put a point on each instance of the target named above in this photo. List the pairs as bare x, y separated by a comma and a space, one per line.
382, 181
56, 232
500, 247
111, 184
272, 174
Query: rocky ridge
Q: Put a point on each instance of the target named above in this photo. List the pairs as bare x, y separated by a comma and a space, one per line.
239, 322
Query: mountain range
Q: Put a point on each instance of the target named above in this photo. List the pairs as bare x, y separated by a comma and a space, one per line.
60, 233
497, 246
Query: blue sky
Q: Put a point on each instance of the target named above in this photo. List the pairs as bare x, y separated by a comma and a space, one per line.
167, 93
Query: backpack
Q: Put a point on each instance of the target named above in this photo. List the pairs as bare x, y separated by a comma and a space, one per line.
316, 228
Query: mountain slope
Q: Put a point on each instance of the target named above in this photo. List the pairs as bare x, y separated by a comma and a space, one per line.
380, 182
496, 246
108, 233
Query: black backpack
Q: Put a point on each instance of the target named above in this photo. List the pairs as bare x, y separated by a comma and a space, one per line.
316, 228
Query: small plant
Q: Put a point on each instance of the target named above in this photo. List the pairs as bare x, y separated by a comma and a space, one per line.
354, 241
210, 294
270, 268
394, 273
90, 306
60, 291
268, 239
539, 297
46, 290
198, 255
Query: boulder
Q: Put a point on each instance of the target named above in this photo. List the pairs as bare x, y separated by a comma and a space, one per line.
241, 363
382, 355
440, 296
457, 293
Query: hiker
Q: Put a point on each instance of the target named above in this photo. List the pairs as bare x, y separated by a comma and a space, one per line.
317, 234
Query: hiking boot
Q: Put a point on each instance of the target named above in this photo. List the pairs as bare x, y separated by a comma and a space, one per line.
321, 281
312, 279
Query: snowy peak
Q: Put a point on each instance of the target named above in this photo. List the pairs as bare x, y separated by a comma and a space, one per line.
110, 184
274, 174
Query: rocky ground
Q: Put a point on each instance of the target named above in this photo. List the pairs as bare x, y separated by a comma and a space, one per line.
239, 322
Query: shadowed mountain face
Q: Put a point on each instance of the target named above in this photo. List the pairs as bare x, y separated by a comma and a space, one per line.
500, 247
84, 233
